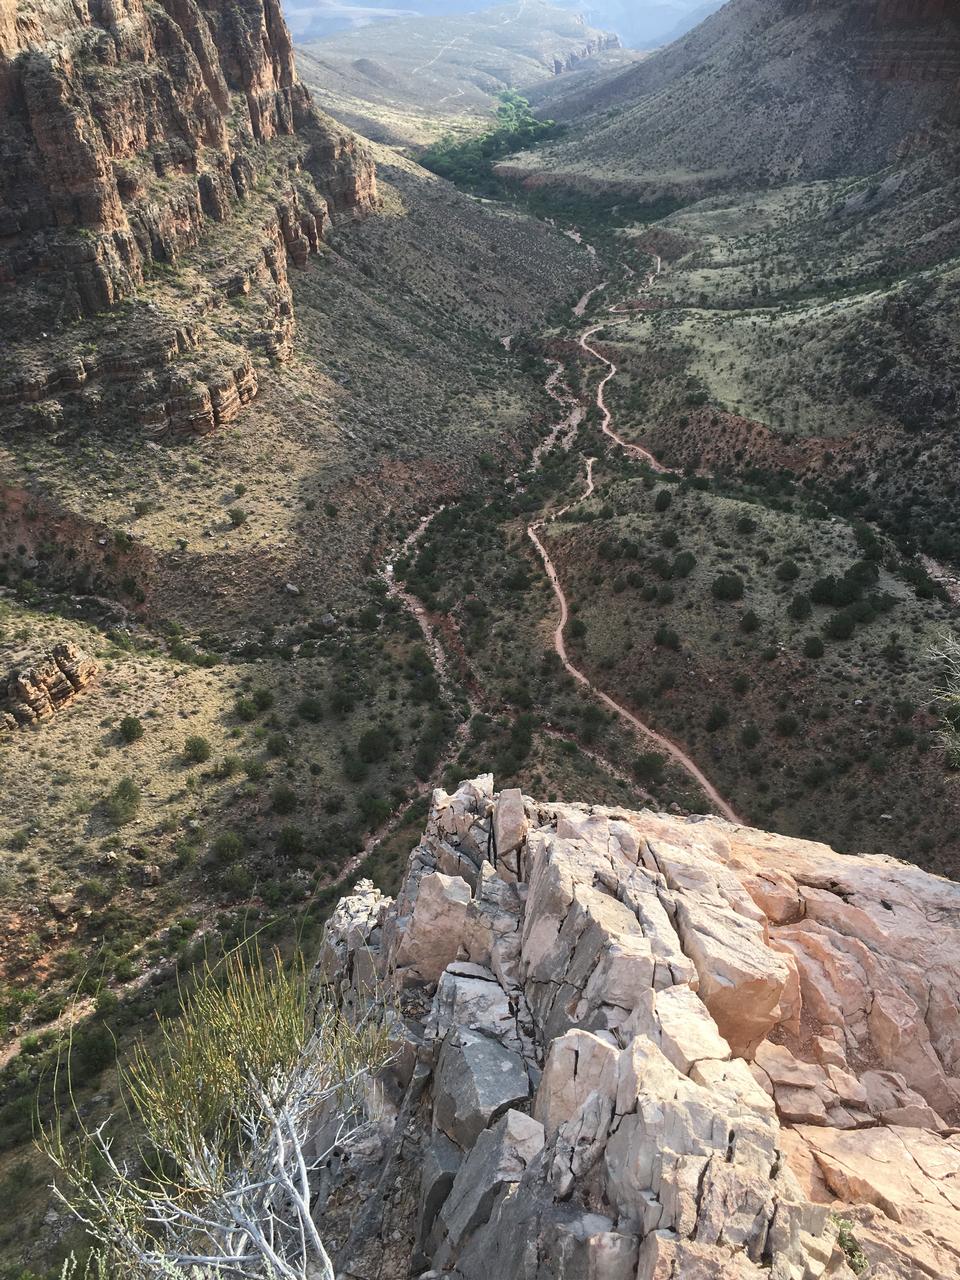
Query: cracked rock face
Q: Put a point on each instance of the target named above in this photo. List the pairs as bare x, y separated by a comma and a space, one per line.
36, 693
662, 1048
145, 142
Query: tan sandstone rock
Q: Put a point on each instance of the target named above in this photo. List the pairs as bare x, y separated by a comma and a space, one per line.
729, 1042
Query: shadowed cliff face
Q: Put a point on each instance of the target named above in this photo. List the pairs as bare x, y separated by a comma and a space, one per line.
131, 137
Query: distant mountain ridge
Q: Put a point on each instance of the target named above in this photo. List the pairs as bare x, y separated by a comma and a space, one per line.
394, 81
768, 90
641, 26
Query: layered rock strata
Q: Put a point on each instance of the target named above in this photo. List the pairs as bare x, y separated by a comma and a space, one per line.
36, 693
635, 1047
138, 142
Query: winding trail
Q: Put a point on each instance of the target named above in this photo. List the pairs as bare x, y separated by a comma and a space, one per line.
632, 450
566, 429
671, 748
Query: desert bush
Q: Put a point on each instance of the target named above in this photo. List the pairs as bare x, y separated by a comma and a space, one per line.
718, 718
130, 729
122, 803
683, 564
787, 724
283, 798
727, 586
196, 749
374, 745
947, 652
227, 847
649, 767
800, 607
290, 841
310, 708
225, 1097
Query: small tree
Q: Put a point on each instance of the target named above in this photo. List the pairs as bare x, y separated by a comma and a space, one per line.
225, 1105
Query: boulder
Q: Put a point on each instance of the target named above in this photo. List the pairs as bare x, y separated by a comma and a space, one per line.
577, 1064
432, 937
509, 829
500, 1157
477, 1079
33, 694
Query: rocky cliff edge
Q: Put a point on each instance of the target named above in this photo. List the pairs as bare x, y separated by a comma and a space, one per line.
633, 1046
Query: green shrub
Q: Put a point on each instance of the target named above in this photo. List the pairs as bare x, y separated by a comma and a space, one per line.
122, 803
310, 708
663, 500
750, 735
727, 586
373, 746
718, 718
800, 607
683, 564
749, 622
787, 725
227, 847
196, 749
262, 699
283, 799
237, 516
813, 647
649, 767
840, 626
255, 770
92, 1049
130, 729
236, 880
290, 841
787, 571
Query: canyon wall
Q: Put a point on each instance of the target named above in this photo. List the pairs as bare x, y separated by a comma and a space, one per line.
137, 142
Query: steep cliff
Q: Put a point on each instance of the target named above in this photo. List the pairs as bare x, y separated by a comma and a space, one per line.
138, 142
633, 1046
